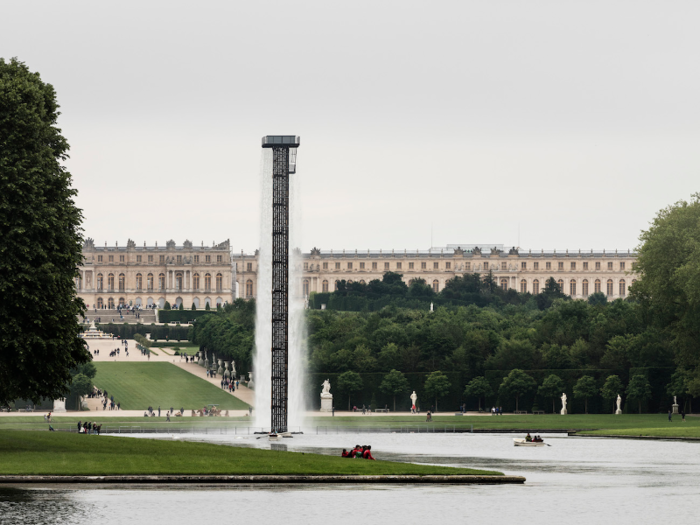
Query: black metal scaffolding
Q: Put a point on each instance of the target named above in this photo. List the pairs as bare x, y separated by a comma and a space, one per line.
283, 163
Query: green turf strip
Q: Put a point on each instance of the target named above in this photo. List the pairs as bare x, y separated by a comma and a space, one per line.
43, 453
140, 385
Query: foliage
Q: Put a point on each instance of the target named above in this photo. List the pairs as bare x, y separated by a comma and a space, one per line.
40, 243
478, 388
194, 307
436, 386
348, 383
639, 389
187, 316
181, 307
598, 299
393, 384
585, 387
166, 306
551, 388
612, 388
143, 341
516, 384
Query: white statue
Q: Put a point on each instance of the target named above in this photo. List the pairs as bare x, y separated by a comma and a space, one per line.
414, 397
619, 402
326, 392
59, 405
674, 400
563, 404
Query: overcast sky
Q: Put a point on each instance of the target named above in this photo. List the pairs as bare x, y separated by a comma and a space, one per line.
545, 124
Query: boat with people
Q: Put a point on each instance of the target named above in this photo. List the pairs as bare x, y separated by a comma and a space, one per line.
529, 441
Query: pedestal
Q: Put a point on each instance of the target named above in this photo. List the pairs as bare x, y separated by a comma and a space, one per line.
59, 405
563, 412
327, 404
618, 412
675, 409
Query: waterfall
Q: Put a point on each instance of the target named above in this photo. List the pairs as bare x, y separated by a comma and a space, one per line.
263, 321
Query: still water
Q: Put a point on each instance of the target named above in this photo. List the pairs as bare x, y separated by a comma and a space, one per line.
575, 480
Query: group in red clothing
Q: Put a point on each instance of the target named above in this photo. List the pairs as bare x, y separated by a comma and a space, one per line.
364, 452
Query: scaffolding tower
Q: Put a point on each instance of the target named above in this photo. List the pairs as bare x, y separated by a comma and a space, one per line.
284, 153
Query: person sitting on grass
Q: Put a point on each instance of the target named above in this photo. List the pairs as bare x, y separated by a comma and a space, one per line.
51, 429
345, 453
357, 451
367, 454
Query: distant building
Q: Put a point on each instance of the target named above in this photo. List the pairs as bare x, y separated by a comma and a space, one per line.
579, 274
133, 275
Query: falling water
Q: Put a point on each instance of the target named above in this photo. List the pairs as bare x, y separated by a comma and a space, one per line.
263, 322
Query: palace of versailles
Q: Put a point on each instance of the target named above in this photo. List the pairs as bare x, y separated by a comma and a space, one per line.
200, 275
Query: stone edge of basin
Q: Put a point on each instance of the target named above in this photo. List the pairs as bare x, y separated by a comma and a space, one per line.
213, 479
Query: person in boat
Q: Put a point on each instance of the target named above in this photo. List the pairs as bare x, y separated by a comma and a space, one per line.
367, 454
528, 438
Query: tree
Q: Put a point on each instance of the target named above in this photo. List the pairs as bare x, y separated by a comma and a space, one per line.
348, 383
598, 299
551, 388
393, 384
40, 243
516, 384
193, 306
437, 385
668, 265
207, 306
611, 389
166, 306
639, 389
478, 388
182, 306
585, 387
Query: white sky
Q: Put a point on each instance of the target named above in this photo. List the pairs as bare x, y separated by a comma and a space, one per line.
572, 121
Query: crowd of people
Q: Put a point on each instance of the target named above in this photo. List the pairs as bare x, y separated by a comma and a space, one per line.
363, 452
229, 384
496, 411
88, 427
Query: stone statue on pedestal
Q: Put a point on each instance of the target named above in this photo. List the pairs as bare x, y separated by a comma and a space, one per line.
251, 384
619, 403
563, 404
414, 398
675, 405
326, 397
59, 405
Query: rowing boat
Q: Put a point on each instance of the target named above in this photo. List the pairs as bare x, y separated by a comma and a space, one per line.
520, 442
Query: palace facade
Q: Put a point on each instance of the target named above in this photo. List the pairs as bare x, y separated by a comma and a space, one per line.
134, 275
579, 273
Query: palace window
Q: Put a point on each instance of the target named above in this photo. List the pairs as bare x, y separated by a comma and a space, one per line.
560, 282
610, 266
249, 267
195, 281
504, 266
150, 258
149, 281
374, 265
324, 286
122, 282
249, 288
486, 266
337, 282
386, 266
410, 266
111, 258
337, 266
162, 259
179, 259
99, 282
596, 286
139, 281
548, 265
436, 266
597, 266
448, 266
560, 266
121, 258
398, 265
306, 267
610, 287
99, 258
219, 282
325, 265
207, 282
161, 281
572, 287
207, 258
196, 259
504, 284
535, 266
585, 266
436, 286
523, 286
100, 302
362, 266
138, 258
219, 259
178, 282
622, 266
468, 266
535, 287
423, 266
584, 287
305, 287
623, 288
573, 265
110, 303
349, 266
110, 282
523, 266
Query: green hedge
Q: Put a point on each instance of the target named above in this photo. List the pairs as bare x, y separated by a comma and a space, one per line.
127, 331
182, 316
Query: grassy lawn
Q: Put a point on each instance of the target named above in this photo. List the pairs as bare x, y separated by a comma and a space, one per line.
672, 431
139, 385
43, 453
38, 423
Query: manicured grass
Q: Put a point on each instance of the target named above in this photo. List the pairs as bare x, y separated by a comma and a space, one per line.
43, 453
61, 423
673, 431
140, 385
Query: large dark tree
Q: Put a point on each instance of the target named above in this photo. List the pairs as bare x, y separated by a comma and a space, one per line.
40, 243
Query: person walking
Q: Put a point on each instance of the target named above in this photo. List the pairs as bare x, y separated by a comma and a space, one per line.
683, 416
158, 410
669, 414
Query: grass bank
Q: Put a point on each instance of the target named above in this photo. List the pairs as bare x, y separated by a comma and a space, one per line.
688, 432
42, 453
140, 385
